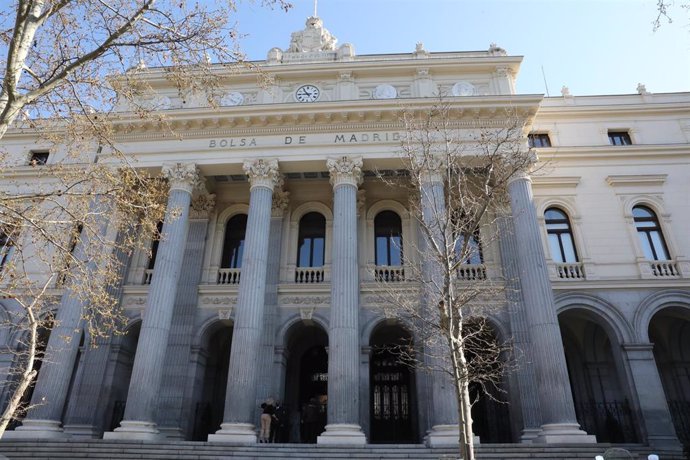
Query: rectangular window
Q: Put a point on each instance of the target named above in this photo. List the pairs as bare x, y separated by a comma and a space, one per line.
38, 158
619, 138
539, 140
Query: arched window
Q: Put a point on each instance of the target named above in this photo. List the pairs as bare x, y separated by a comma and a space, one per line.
233, 244
560, 236
649, 231
311, 242
388, 238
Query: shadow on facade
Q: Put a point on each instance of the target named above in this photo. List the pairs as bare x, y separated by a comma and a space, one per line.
122, 373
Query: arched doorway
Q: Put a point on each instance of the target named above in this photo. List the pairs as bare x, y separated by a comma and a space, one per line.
602, 406
392, 408
214, 359
306, 384
490, 412
122, 374
669, 331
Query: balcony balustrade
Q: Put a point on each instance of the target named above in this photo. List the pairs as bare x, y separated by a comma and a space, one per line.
310, 275
228, 276
148, 274
389, 273
471, 272
664, 269
570, 271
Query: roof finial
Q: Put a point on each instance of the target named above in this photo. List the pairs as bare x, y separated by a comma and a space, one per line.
315, 5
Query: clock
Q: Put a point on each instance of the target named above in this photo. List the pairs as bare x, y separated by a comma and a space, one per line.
307, 93
232, 98
385, 92
463, 88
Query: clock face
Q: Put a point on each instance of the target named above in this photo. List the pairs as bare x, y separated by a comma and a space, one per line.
232, 98
307, 93
385, 92
463, 88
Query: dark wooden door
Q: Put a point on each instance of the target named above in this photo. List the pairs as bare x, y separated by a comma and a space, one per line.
391, 393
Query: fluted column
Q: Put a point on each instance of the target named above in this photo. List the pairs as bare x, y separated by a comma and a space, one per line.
147, 372
343, 332
443, 413
654, 410
559, 423
44, 419
526, 381
241, 405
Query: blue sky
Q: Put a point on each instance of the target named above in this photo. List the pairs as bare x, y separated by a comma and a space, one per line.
591, 46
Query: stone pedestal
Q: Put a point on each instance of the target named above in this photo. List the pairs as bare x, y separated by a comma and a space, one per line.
147, 373
343, 335
37, 429
559, 424
241, 404
445, 436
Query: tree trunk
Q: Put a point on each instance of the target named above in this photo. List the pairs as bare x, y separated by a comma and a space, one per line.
462, 387
27, 376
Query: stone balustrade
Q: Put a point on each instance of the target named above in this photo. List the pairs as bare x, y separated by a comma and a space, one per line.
568, 271
148, 275
664, 269
471, 272
228, 276
389, 273
310, 275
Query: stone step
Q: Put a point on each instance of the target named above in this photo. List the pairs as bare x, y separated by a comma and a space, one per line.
184, 450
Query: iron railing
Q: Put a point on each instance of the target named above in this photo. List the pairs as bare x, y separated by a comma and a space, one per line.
608, 421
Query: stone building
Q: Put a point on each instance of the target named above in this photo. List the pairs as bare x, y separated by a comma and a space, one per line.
266, 283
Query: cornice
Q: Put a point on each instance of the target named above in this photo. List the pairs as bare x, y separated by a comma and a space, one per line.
563, 112
637, 180
266, 119
554, 181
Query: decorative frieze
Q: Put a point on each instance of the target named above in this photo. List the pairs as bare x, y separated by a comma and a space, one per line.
211, 301
319, 301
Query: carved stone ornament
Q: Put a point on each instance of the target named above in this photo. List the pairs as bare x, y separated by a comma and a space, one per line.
306, 300
262, 173
361, 201
225, 314
181, 176
211, 301
313, 38
345, 170
203, 204
306, 313
431, 168
281, 199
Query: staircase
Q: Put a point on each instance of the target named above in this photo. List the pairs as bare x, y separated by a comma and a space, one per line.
122, 450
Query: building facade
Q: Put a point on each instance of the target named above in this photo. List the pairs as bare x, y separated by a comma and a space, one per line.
265, 284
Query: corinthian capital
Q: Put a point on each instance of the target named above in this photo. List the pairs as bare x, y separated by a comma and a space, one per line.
345, 170
181, 176
262, 173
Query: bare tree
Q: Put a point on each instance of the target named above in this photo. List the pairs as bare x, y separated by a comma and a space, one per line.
457, 179
70, 72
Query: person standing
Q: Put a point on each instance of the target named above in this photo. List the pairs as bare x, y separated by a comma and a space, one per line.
268, 410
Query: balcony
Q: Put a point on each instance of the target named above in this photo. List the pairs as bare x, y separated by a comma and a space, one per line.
664, 269
309, 275
389, 273
148, 274
471, 272
569, 271
228, 276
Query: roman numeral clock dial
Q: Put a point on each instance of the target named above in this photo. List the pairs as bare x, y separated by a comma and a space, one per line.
307, 93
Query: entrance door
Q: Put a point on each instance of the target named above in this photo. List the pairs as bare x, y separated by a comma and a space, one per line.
391, 392
391, 386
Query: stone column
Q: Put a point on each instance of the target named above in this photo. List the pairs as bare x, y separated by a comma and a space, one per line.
241, 399
559, 423
343, 331
658, 423
174, 416
147, 372
443, 414
526, 382
50, 395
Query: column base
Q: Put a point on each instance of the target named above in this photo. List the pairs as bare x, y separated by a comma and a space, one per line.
37, 429
237, 433
529, 434
171, 432
344, 434
134, 430
79, 431
665, 443
562, 433
444, 436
